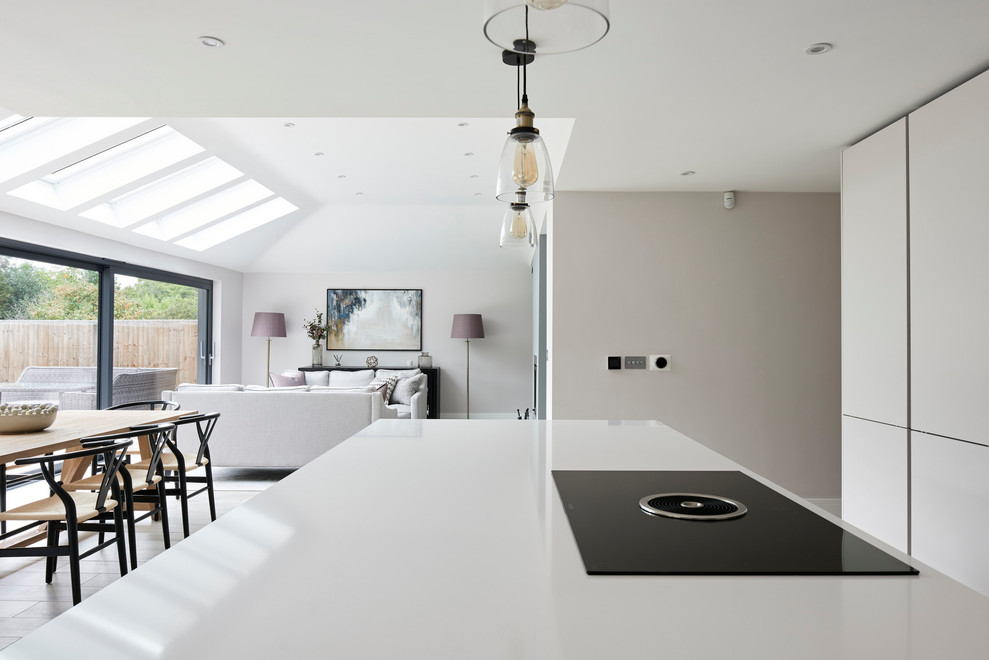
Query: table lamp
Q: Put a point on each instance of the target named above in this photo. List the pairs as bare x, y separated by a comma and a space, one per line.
467, 326
268, 324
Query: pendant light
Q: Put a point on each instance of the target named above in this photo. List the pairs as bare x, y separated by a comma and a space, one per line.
558, 26
524, 161
518, 228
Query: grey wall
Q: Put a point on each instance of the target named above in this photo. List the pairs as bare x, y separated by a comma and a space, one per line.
500, 364
226, 283
746, 301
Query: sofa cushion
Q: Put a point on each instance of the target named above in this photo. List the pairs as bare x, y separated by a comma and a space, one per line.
288, 379
330, 388
351, 378
212, 388
262, 388
405, 388
317, 378
402, 411
401, 373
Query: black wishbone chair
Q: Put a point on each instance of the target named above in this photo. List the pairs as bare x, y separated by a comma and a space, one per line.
157, 404
177, 465
73, 512
139, 482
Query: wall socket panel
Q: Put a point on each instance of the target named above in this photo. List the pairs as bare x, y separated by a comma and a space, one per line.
659, 362
635, 361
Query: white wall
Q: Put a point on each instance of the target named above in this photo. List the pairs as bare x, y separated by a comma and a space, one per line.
227, 284
501, 363
746, 301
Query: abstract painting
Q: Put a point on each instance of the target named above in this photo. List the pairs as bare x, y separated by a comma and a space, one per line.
374, 319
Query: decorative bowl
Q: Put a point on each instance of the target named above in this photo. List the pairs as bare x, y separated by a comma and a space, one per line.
26, 417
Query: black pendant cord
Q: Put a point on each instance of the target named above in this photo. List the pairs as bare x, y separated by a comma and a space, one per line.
525, 96
518, 87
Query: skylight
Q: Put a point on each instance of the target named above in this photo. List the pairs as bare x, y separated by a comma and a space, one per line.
132, 174
164, 194
214, 207
110, 170
238, 224
38, 141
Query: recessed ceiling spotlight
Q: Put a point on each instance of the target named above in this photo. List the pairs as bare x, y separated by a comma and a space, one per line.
463, 123
469, 153
477, 194
212, 42
341, 176
288, 124
319, 153
359, 193
818, 49
473, 176
688, 173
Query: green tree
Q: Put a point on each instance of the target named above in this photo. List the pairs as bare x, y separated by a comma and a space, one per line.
70, 297
21, 286
151, 299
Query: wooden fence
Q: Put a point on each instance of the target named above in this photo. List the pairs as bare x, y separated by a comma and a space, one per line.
164, 343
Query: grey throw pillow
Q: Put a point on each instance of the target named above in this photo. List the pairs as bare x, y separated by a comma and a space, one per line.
406, 387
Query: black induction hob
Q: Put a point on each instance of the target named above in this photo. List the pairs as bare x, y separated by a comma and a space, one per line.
742, 528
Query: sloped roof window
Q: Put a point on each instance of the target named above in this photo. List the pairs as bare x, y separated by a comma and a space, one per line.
238, 224
39, 141
206, 210
111, 169
165, 193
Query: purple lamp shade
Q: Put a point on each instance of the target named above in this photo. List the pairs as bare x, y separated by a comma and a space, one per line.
467, 326
268, 324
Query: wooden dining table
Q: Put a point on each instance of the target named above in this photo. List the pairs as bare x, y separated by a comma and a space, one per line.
69, 428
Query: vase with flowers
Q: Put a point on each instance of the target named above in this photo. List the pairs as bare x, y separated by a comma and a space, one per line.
316, 330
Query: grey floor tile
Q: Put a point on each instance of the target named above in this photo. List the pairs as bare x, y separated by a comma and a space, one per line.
46, 610
18, 627
15, 607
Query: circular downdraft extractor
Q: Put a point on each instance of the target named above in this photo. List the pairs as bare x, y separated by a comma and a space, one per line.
692, 506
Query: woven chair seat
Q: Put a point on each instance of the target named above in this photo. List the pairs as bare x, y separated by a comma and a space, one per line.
138, 474
52, 508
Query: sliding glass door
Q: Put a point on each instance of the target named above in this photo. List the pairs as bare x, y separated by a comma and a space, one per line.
86, 332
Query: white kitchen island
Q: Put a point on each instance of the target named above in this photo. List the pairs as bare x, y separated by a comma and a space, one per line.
446, 539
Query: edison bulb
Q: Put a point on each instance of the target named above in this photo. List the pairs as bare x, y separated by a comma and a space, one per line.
525, 172
545, 4
519, 229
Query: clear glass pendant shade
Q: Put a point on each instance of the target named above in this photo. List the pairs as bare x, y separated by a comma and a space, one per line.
518, 229
570, 26
525, 165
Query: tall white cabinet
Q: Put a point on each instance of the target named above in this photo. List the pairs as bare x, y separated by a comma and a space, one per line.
915, 334
874, 335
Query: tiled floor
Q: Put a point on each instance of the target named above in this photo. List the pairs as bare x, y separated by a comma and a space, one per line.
26, 602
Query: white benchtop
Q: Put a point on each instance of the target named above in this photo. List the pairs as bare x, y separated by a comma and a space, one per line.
446, 539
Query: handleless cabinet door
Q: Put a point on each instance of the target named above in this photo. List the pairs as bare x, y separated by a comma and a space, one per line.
950, 526
949, 243
874, 479
874, 277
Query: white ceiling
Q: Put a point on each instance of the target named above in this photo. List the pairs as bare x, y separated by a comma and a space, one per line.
721, 87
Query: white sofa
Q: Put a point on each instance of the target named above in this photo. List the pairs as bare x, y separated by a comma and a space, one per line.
276, 427
408, 399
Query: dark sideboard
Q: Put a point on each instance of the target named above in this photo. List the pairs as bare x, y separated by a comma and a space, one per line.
432, 384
